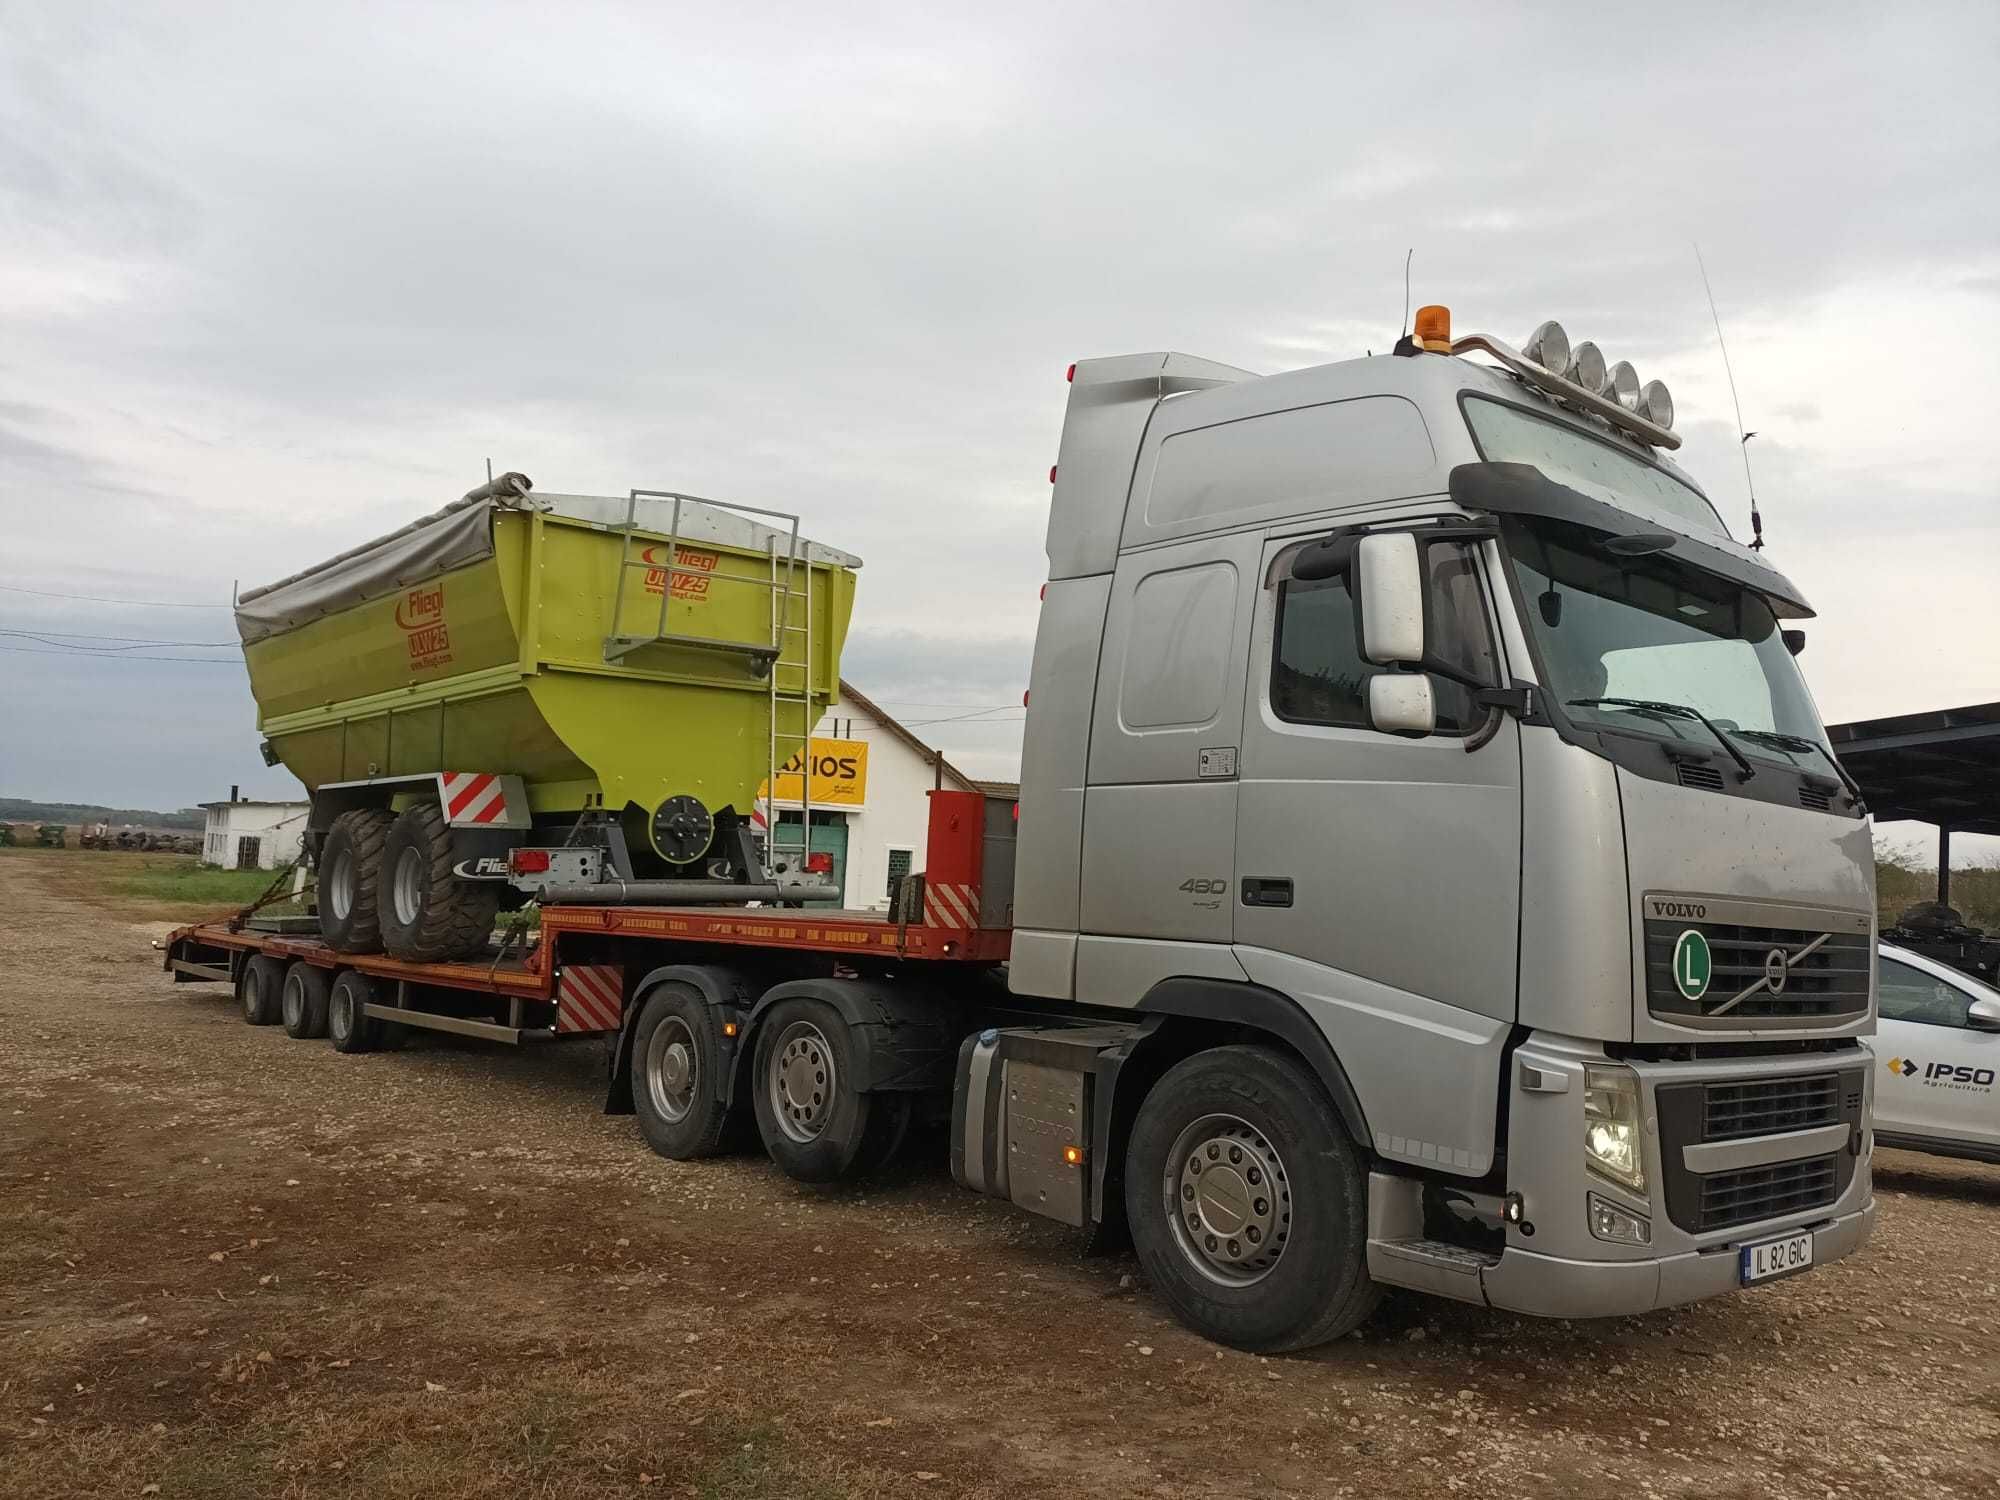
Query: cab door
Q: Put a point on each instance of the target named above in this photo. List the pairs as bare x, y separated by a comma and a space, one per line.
1369, 856
1939, 1072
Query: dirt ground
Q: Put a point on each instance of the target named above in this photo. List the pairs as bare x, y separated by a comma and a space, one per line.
233, 1264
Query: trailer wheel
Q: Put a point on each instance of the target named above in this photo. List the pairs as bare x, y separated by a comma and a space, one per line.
677, 1074
263, 985
428, 914
304, 1002
350, 866
1249, 1203
349, 1029
813, 1120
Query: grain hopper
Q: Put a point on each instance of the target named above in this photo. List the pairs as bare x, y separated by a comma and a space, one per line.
526, 685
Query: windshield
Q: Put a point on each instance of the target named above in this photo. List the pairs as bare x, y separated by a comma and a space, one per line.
1653, 630
1507, 434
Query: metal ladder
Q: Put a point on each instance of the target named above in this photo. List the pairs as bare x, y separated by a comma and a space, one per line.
790, 586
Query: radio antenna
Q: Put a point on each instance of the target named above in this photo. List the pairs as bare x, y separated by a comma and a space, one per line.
1408, 256
1743, 435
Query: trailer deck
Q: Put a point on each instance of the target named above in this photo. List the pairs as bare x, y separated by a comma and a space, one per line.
574, 976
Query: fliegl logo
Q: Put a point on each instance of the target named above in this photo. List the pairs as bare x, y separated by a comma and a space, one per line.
1944, 1075
692, 571
420, 614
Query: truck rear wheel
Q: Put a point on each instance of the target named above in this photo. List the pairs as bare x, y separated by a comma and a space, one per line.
347, 1026
263, 985
350, 864
677, 1074
814, 1122
428, 914
1249, 1203
304, 1002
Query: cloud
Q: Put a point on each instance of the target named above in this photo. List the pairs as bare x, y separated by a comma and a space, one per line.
278, 279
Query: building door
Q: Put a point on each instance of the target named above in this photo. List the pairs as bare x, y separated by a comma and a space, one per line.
246, 852
826, 852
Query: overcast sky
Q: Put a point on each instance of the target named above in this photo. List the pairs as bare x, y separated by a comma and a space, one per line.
278, 278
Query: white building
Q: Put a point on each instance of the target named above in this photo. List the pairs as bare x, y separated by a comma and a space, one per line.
244, 835
870, 803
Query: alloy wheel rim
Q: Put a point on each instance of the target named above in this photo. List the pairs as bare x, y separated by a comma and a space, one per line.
803, 1082
1229, 1198
673, 1069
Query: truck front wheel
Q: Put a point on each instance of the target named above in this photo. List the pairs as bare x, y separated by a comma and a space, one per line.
350, 865
428, 914
1249, 1203
677, 1074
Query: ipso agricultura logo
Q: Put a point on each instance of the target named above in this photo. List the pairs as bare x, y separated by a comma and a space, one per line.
1943, 1075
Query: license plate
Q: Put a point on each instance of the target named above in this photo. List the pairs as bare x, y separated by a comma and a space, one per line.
1777, 1257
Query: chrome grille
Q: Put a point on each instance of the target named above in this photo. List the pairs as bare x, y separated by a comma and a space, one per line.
1744, 1197
1830, 984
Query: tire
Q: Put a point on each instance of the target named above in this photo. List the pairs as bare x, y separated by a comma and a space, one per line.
346, 1027
350, 864
678, 1074
303, 1003
428, 914
263, 987
1285, 1268
813, 1123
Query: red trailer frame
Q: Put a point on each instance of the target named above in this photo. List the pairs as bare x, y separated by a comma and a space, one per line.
565, 967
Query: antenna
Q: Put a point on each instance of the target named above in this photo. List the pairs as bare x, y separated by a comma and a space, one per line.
1744, 436
489, 471
1408, 256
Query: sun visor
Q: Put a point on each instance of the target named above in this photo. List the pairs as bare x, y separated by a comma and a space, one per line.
1522, 489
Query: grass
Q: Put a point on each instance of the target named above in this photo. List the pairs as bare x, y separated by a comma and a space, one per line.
185, 879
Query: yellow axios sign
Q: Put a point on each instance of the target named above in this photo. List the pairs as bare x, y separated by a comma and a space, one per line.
839, 775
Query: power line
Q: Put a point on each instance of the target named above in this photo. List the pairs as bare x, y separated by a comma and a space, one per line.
78, 655
69, 639
12, 588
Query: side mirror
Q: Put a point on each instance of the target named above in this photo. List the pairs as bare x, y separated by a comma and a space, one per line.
1401, 703
1389, 592
1981, 1015
1795, 640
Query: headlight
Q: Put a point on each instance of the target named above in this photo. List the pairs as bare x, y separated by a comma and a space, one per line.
1613, 1144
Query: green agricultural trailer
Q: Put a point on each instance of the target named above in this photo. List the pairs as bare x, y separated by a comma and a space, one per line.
52, 836
527, 692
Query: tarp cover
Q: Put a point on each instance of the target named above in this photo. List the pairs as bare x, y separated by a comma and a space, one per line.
462, 534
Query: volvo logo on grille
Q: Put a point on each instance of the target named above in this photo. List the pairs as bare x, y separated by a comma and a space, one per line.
1777, 968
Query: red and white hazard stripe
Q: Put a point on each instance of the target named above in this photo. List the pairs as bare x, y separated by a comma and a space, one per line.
590, 997
473, 797
950, 905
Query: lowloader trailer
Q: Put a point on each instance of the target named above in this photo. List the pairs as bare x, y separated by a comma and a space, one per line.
1429, 871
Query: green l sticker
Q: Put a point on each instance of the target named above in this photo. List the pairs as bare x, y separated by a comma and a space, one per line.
1691, 964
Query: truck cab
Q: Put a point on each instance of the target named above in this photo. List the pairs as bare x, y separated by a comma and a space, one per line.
1416, 724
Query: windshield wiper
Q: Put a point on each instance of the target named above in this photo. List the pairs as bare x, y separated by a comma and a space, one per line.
1679, 711
1796, 743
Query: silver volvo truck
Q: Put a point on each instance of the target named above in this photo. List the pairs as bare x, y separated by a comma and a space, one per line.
1421, 794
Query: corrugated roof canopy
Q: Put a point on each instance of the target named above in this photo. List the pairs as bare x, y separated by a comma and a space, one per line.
1942, 766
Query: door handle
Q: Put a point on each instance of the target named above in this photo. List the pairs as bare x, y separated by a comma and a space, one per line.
1267, 890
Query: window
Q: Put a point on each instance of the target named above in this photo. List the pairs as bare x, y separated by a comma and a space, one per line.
899, 869
1909, 994
1318, 675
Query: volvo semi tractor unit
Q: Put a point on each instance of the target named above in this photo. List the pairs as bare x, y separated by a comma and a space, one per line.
1429, 871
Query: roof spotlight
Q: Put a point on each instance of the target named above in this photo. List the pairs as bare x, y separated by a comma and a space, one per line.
1586, 367
1656, 403
1621, 384
1548, 346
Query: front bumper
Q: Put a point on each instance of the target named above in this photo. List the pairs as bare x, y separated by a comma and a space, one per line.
1552, 1286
